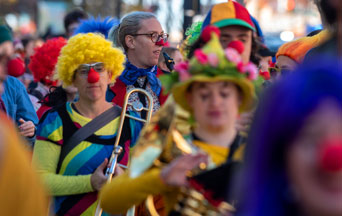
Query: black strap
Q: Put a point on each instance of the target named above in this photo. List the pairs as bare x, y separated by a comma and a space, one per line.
235, 145
238, 140
86, 131
142, 98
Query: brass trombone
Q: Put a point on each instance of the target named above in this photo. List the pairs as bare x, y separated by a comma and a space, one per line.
162, 146
138, 107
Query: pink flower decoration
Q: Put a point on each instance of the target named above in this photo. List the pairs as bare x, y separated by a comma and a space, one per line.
240, 67
252, 71
213, 59
232, 55
201, 56
182, 69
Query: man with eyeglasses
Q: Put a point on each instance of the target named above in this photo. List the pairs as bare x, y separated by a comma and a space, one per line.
142, 38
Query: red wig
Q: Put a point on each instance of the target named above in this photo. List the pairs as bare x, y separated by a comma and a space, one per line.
44, 59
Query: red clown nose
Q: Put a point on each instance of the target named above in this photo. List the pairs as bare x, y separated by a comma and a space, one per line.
93, 76
16, 67
238, 45
160, 43
331, 155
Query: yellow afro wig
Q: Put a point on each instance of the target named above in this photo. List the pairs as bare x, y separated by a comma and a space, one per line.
85, 49
297, 49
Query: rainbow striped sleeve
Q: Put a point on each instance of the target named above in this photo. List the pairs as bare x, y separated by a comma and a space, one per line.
50, 128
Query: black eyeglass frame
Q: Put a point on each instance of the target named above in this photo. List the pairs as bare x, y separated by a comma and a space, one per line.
163, 36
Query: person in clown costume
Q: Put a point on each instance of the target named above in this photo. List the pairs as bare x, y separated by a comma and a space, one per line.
293, 160
73, 175
214, 86
42, 64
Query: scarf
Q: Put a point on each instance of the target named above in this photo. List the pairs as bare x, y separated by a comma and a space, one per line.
131, 74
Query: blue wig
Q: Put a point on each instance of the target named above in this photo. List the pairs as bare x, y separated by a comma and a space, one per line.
280, 116
97, 25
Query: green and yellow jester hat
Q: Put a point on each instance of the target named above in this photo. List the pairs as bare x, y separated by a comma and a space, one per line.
85, 49
213, 64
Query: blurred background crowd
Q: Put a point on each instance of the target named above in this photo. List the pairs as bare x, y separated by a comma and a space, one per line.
283, 59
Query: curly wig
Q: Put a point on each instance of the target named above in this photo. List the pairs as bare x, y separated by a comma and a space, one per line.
88, 48
43, 61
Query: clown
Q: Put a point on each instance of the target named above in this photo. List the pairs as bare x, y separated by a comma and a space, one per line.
42, 64
89, 63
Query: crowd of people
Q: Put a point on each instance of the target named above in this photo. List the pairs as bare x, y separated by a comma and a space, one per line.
236, 129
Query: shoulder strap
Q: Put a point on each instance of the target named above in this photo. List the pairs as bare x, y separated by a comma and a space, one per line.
235, 145
142, 98
87, 130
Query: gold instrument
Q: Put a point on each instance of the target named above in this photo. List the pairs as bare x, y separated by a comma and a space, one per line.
159, 143
138, 107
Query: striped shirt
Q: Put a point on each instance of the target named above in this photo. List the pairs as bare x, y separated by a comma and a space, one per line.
70, 185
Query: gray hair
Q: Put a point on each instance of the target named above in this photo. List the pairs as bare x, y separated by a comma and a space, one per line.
129, 25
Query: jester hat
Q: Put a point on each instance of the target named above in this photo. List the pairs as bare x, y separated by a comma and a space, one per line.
213, 64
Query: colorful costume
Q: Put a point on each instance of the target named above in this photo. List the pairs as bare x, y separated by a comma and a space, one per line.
68, 178
126, 192
73, 175
134, 77
210, 64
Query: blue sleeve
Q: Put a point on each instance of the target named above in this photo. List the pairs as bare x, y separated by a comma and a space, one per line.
25, 109
19, 103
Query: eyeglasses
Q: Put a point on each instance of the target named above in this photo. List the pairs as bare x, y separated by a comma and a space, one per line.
281, 71
155, 37
83, 69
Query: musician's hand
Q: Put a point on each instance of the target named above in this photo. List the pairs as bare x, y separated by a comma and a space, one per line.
98, 178
26, 128
118, 170
175, 174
